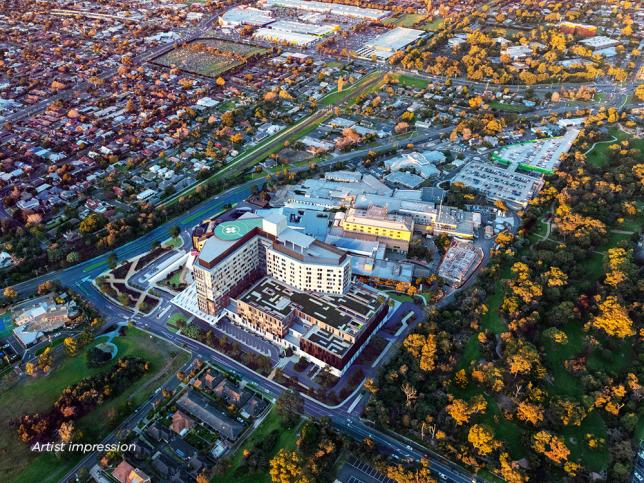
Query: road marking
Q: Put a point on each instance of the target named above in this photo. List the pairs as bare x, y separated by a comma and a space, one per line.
354, 404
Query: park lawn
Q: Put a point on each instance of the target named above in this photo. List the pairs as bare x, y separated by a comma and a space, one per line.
501, 106
286, 440
492, 320
593, 267
412, 81
399, 297
613, 361
593, 459
407, 20
432, 26
471, 352
632, 223
539, 230
612, 239
507, 431
564, 383
598, 156
17, 463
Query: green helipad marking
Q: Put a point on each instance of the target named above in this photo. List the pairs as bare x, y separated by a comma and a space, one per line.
234, 230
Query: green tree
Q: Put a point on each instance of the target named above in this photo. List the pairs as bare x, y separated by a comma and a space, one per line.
112, 260
289, 406
72, 257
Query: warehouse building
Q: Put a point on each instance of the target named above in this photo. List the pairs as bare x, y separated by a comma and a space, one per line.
330, 8
304, 28
245, 15
599, 42
283, 37
384, 45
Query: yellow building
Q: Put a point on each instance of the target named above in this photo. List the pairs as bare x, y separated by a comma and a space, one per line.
376, 224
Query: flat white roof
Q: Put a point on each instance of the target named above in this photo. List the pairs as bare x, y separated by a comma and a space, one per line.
293, 237
335, 9
247, 15
406, 179
303, 28
395, 39
279, 36
599, 41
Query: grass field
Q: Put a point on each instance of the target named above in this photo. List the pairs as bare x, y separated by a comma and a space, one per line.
471, 352
174, 319
336, 97
399, 297
6, 325
17, 463
412, 81
492, 320
205, 63
592, 459
414, 20
176, 242
501, 106
432, 26
286, 440
599, 154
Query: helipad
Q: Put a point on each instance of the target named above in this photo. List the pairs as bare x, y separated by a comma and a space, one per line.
234, 230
